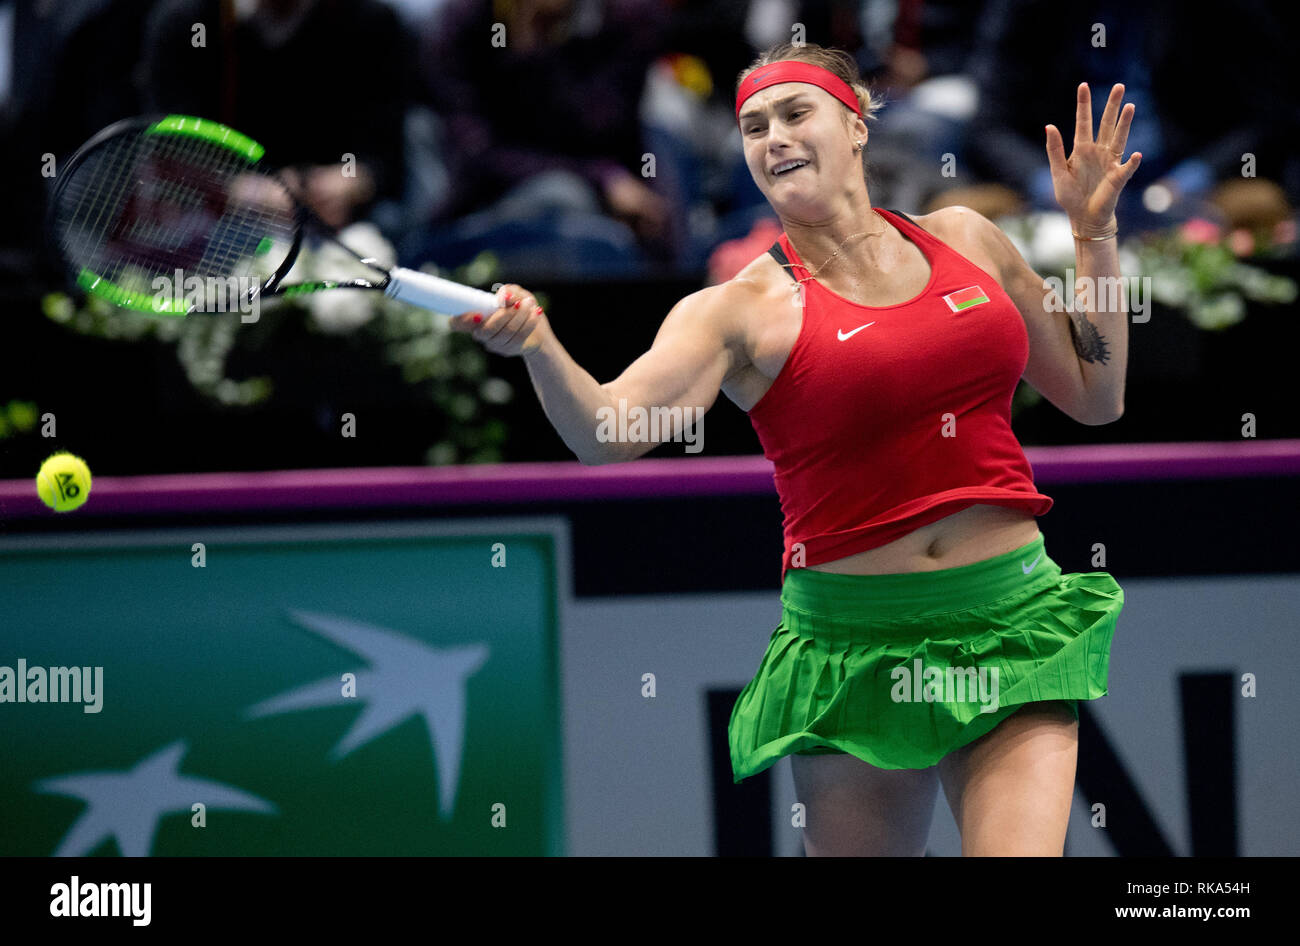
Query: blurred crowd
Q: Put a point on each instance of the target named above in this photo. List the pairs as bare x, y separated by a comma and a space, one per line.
596, 138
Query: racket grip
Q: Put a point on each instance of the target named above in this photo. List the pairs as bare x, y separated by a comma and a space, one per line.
437, 294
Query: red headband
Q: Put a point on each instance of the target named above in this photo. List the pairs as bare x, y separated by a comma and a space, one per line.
792, 71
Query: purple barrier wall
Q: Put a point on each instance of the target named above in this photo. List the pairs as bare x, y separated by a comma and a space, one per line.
520, 482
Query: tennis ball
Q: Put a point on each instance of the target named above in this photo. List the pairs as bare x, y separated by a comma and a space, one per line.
63, 482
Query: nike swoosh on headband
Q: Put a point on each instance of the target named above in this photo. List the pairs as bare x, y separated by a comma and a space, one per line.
843, 337
1032, 566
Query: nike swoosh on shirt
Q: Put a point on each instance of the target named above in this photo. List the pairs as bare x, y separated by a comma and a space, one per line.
1029, 568
844, 337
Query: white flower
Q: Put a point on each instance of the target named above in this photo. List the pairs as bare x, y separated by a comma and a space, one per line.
338, 312
1218, 311
364, 237
1170, 287
495, 391
1052, 244
341, 311
302, 269
1018, 242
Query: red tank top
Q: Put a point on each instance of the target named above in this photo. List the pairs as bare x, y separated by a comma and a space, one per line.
886, 418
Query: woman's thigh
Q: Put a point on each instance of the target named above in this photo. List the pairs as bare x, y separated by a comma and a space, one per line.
853, 809
1010, 790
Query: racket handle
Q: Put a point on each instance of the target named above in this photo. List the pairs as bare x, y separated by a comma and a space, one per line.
437, 294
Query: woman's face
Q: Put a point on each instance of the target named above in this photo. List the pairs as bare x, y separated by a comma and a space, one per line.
796, 121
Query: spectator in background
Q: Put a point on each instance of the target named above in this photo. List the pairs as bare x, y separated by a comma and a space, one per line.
541, 134
95, 75
714, 32
28, 31
314, 81
67, 69
922, 50
842, 24
1199, 81
689, 121
415, 12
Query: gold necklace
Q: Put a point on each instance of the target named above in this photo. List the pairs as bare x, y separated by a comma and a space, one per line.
814, 273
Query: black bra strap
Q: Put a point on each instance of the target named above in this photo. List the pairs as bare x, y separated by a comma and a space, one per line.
903, 215
778, 254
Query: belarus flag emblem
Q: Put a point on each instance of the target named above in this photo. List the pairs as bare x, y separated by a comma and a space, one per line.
965, 298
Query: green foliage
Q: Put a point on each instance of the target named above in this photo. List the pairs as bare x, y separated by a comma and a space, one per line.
448, 369
1024, 398
1194, 269
1207, 281
18, 418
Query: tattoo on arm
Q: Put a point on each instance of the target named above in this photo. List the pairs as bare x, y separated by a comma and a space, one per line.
1088, 342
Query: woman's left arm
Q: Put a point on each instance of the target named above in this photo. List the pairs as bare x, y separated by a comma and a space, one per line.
1087, 187
1078, 364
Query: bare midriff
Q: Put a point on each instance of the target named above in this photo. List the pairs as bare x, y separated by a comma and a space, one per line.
967, 536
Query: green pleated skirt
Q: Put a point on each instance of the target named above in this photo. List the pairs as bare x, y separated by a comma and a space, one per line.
901, 669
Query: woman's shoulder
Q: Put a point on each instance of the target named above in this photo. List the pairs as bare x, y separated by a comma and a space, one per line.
960, 227
973, 236
733, 307
762, 278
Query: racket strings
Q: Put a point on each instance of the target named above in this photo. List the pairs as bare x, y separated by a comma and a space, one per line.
143, 205
238, 233
90, 196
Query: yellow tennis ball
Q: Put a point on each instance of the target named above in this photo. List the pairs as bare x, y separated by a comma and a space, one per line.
63, 482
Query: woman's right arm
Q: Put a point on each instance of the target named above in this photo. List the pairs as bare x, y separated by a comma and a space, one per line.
692, 354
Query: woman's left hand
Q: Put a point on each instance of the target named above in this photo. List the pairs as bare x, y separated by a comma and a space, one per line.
1088, 183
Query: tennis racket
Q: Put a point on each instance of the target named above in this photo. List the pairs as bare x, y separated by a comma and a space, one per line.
147, 201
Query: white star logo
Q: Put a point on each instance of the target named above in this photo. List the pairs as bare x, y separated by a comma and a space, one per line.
407, 678
126, 806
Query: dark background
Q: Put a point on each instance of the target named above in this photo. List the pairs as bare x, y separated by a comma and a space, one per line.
128, 408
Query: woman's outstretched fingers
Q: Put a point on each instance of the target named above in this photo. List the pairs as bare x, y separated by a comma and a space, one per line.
1055, 149
1130, 166
1121, 130
1110, 116
1083, 116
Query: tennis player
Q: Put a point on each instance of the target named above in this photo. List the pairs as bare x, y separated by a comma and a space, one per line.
926, 636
